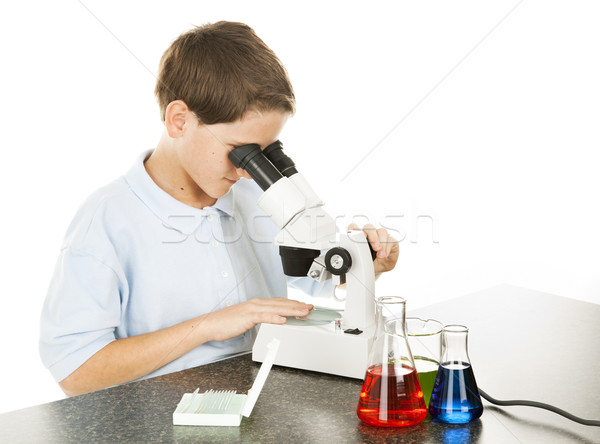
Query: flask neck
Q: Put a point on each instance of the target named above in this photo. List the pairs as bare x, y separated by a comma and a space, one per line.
389, 308
454, 345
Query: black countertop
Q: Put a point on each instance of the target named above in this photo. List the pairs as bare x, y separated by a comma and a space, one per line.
523, 344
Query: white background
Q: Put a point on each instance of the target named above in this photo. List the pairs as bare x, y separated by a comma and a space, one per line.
489, 137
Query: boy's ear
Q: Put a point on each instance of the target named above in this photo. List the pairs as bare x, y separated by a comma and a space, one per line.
176, 116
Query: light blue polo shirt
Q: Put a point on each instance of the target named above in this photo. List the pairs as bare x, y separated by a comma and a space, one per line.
136, 260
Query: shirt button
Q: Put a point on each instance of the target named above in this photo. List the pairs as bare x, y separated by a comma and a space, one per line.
224, 274
210, 217
215, 243
229, 302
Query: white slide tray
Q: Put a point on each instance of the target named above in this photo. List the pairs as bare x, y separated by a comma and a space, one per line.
223, 408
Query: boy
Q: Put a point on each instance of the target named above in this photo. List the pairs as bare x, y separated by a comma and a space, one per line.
165, 269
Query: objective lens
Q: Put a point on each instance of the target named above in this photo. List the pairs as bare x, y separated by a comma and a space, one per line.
297, 261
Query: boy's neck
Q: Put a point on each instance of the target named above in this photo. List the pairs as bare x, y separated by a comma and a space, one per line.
164, 169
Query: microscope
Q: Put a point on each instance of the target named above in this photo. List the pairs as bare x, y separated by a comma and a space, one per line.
310, 246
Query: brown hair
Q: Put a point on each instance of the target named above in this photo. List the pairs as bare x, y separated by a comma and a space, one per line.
220, 71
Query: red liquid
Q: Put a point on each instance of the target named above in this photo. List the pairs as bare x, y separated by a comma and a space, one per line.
392, 401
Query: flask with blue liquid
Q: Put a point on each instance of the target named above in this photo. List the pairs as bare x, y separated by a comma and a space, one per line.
455, 398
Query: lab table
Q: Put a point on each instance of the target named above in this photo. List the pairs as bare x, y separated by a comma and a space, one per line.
523, 344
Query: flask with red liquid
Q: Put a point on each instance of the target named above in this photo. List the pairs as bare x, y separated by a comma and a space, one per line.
391, 395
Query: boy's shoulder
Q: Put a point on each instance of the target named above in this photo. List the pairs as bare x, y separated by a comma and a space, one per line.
97, 210
112, 191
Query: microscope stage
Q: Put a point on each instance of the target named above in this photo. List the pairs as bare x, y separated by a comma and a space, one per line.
317, 347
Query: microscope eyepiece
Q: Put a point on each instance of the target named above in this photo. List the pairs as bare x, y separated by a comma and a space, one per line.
282, 161
251, 158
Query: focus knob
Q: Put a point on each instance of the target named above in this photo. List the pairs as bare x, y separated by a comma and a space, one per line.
338, 261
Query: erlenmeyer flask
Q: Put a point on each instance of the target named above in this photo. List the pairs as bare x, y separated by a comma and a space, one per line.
391, 395
455, 398
425, 341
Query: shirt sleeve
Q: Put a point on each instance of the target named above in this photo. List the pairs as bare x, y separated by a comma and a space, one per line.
80, 314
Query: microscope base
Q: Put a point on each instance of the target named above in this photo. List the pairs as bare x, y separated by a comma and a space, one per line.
316, 347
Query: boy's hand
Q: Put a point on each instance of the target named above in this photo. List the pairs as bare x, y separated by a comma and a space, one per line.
233, 321
385, 245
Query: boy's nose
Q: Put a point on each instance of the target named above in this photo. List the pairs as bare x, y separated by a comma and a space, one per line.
242, 173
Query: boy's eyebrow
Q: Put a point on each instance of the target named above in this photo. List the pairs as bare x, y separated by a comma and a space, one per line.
236, 144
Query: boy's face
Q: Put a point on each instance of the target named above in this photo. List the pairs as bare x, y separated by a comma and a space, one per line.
203, 149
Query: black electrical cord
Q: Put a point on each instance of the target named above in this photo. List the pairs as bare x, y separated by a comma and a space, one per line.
541, 405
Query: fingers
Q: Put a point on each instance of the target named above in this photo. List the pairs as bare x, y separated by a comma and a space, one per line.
383, 236
275, 310
234, 320
270, 308
387, 241
374, 239
379, 238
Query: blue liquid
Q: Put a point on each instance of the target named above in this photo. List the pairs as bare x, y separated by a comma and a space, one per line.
455, 397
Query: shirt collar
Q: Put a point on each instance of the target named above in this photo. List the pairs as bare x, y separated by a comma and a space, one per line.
165, 206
